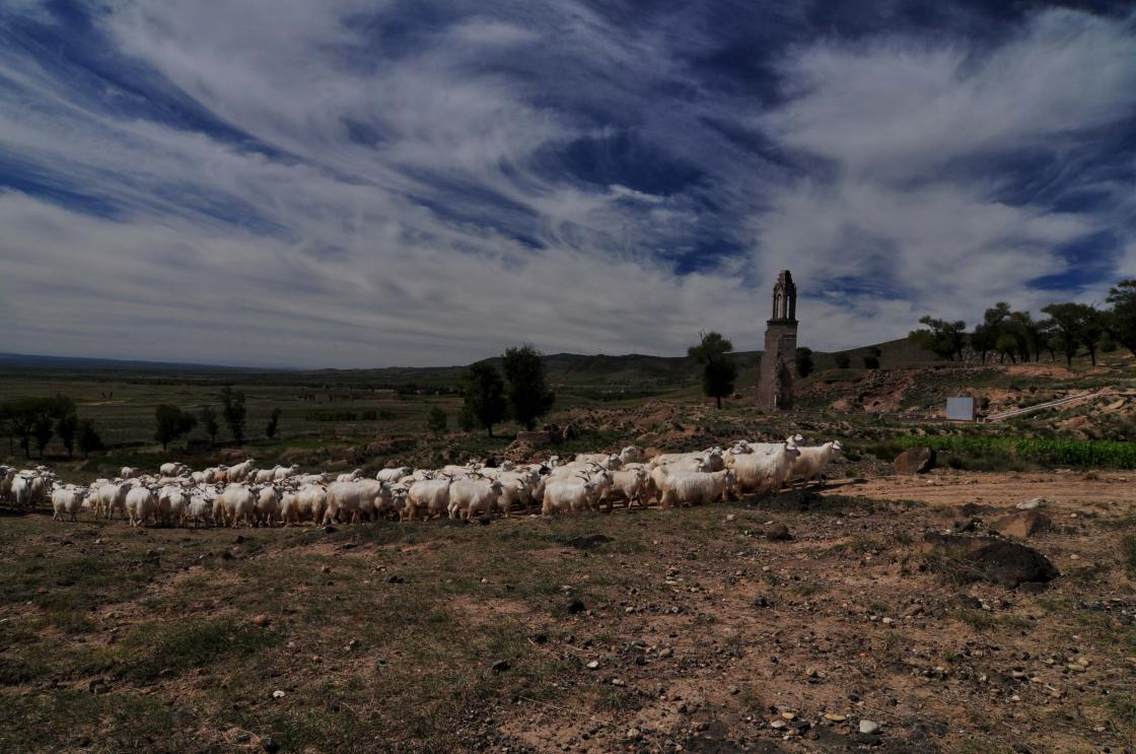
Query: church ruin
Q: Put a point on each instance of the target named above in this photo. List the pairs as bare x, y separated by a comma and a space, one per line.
775, 384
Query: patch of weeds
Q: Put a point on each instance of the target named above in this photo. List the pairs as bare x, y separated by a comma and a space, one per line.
807, 588
1128, 553
982, 620
154, 649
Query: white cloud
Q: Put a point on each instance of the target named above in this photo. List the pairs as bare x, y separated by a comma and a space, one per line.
391, 205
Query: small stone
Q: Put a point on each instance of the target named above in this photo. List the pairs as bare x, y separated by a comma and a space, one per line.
1030, 505
869, 727
576, 606
778, 725
633, 734
789, 715
778, 533
730, 517
325, 569
666, 652
833, 717
277, 694
261, 619
617, 682
888, 621
734, 691
394, 578
761, 601
500, 666
593, 665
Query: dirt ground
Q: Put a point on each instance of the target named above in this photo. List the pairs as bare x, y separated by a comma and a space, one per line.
640, 631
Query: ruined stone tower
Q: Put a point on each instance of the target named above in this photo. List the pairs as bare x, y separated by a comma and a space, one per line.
775, 386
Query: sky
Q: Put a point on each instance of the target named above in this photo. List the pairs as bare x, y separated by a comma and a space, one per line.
366, 184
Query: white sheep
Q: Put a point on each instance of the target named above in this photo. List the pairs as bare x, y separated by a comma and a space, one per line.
393, 475
238, 503
67, 501
568, 494
473, 497
813, 460
141, 505
696, 487
766, 467
429, 496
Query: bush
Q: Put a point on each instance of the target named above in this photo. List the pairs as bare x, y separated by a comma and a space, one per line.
843, 361
436, 420
1044, 451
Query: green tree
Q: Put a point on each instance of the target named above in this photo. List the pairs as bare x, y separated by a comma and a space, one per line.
1077, 325
484, 403
1120, 320
803, 360
234, 412
940, 337
20, 418
172, 423
42, 430
872, 360
273, 425
66, 422
1007, 345
529, 395
843, 360
207, 418
436, 420
719, 371
467, 421
88, 438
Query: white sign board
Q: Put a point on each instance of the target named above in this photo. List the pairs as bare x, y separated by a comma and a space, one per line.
960, 409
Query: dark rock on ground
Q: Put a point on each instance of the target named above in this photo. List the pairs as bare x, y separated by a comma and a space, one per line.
915, 461
1023, 525
989, 559
778, 533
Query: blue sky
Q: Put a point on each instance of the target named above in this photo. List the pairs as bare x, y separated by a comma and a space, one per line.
353, 184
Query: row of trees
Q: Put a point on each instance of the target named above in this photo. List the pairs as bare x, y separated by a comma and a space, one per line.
1015, 335
522, 393
35, 421
172, 422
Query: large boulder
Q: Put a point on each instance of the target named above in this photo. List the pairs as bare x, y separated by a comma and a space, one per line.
988, 559
918, 460
1023, 524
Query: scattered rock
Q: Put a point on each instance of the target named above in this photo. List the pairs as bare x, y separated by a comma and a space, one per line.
277, 694
778, 533
915, 461
593, 665
633, 734
869, 727
1030, 505
261, 619
1023, 525
833, 717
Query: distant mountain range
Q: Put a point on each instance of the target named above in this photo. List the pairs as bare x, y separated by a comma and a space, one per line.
629, 371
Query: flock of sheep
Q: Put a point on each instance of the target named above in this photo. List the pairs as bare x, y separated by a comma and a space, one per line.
242, 494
